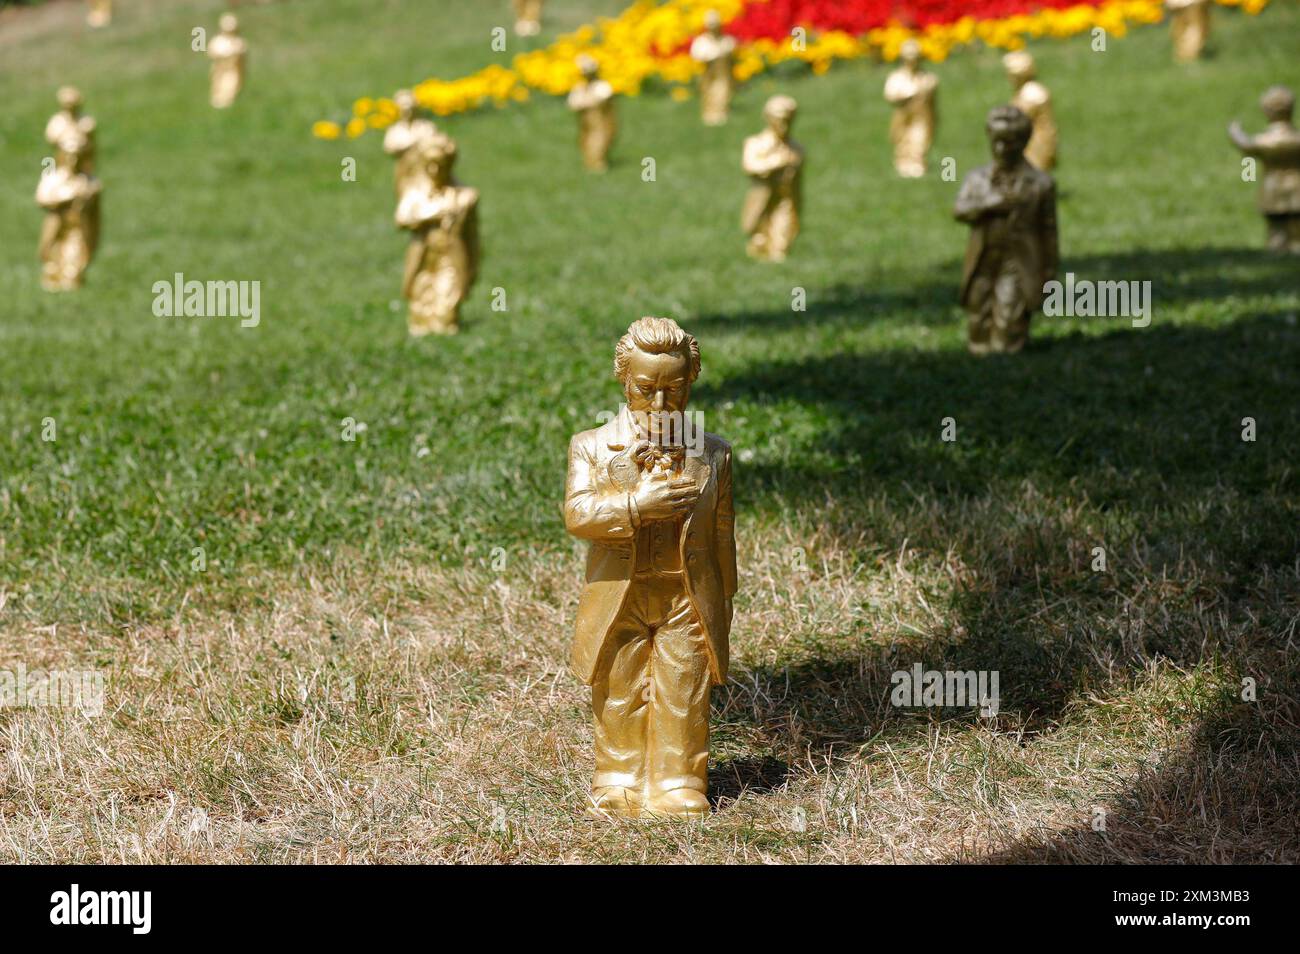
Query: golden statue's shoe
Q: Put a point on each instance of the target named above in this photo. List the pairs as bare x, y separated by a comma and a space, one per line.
614, 800
680, 802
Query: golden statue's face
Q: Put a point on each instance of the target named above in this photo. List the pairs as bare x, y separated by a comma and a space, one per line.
1006, 149
657, 382
779, 124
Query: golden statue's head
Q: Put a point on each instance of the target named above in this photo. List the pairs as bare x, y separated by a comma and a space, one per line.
910, 52
229, 23
588, 67
713, 21
404, 100
1009, 130
656, 362
69, 98
1278, 103
1019, 65
779, 112
438, 155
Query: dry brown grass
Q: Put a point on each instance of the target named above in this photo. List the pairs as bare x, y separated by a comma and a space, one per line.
402, 714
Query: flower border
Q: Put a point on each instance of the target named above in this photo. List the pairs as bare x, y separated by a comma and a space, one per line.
648, 43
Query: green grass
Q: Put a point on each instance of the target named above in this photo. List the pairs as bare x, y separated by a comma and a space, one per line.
372, 558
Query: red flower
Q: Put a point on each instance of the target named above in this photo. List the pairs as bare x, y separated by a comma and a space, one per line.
774, 19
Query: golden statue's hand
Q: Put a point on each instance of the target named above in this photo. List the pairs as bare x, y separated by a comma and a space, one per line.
997, 202
1239, 136
643, 453
665, 499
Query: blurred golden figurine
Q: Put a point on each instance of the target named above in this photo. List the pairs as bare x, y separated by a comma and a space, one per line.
1189, 23
1278, 148
911, 91
652, 495
100, 13
528, 17
402, 138
69, 193
716, 51
442, 259
774, 163
593, 100
228, 52
1032, 98
1012, 252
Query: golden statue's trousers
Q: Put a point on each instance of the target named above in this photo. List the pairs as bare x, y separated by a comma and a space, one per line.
1002, 323
651, 693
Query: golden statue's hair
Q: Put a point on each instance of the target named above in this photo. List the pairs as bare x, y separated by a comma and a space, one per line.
1278, 103
1007, 120
653, 335
780, 106
1019, 63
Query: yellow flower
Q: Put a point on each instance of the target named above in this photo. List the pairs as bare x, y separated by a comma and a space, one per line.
355, 127
325, 130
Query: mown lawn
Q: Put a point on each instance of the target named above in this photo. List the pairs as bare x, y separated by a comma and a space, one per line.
371, 664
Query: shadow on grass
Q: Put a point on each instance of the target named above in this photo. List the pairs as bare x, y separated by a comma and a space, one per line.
1195, 275
1177, 277
1162, 405
1140, 428
731, 778
846, 305
1230, 798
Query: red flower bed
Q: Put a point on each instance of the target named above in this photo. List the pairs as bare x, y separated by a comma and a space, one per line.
775, 19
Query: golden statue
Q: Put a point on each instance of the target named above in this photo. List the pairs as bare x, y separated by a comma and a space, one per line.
1278, 148
774, 163
1032, 98
402, 138
1012, 253
654, 499
69, 194
442, 260
100, 13
228, 53
528, 17
593, 100
1189, 23
716, 51
911, 91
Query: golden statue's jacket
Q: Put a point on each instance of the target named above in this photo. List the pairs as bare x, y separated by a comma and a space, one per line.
1030, 229
1278, 147
597, 510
